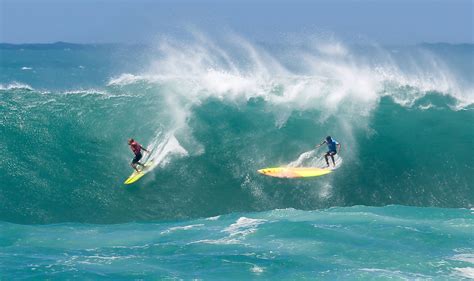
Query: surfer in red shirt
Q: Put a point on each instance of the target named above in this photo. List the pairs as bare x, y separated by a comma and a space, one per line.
137, 150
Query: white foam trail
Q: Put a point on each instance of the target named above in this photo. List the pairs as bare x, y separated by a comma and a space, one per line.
302, 158
313, 158
162, 150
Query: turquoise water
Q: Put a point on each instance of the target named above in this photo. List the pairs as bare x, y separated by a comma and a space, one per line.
392, 242
213, 113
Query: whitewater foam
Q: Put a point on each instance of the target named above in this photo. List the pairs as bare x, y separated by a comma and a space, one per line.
87, 92
213, 218
16, 86
466, 272
176, 228
334, 79
332, 75
163, 149
315, 158
243, 226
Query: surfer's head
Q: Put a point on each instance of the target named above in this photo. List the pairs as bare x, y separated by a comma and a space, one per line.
328, 139
130, 141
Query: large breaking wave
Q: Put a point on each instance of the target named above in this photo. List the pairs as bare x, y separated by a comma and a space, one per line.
216, 111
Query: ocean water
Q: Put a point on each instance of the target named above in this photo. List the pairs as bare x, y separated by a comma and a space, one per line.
392, 242
399, 206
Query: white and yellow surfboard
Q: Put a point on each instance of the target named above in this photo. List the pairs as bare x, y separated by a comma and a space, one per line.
138, 175
292, 172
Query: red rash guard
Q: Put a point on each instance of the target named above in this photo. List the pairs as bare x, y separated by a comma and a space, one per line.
136, 147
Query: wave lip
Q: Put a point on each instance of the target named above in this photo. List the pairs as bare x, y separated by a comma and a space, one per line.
16, 86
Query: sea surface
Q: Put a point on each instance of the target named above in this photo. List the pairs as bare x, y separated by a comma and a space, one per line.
399, 206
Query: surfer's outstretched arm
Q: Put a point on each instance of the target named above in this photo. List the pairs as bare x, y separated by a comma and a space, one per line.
320, 144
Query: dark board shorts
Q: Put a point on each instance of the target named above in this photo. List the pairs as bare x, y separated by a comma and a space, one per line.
137, 158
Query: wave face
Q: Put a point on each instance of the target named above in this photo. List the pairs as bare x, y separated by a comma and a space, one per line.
356, 243
215, 112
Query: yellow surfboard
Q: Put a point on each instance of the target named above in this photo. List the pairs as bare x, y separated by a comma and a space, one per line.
292, 172
138, 175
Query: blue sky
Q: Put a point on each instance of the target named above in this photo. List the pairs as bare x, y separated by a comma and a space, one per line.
141, 21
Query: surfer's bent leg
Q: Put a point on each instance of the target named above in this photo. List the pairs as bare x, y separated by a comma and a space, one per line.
332, 153
326, 157
135, 161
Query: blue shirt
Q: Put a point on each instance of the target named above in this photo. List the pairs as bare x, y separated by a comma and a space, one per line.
332, 145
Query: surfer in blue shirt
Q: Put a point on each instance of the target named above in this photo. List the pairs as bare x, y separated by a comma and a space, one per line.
333, 146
